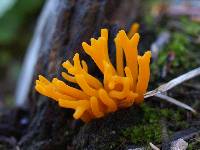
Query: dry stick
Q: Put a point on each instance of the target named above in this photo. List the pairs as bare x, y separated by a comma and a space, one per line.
153, 146
169, 85
176, 102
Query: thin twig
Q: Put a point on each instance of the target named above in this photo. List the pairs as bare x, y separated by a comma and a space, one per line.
153, 146
169, 85
176, 102
158, 92
165, 136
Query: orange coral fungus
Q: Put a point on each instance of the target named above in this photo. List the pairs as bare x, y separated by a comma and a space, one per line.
121, 87
134, 29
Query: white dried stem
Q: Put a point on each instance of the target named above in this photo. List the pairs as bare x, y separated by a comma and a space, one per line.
153, 146
176, 102
158, 92
169, 85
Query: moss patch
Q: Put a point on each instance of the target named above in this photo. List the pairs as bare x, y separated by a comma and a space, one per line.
144, 134
150, 129
195, 144
180, 54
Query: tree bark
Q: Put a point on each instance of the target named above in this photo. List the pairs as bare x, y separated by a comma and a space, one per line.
71, 23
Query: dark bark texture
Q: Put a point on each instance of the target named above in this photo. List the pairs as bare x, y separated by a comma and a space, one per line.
75, 21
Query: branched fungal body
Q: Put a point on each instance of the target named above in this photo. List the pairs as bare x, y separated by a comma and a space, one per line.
122, 86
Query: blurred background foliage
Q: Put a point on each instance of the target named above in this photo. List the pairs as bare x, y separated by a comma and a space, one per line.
17, 21
181, 53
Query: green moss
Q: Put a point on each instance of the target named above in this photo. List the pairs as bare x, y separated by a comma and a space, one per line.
180, 49
194, 144
144, 133
150, 129
190, 27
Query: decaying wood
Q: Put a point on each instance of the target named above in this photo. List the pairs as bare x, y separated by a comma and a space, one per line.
62, 27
